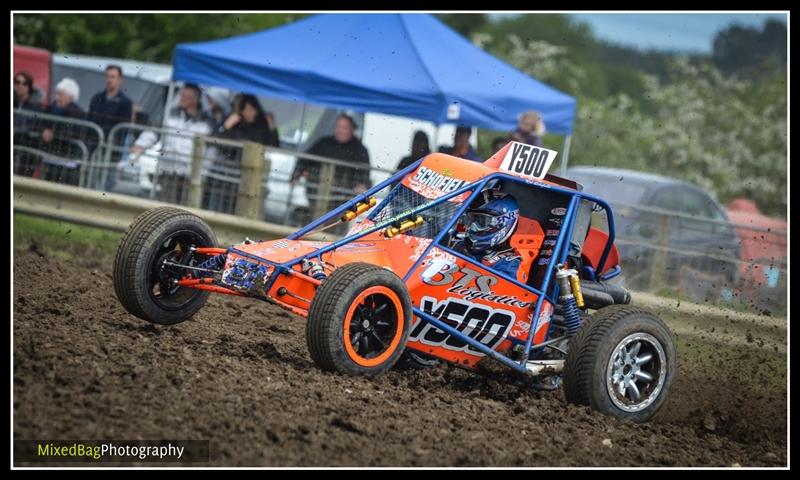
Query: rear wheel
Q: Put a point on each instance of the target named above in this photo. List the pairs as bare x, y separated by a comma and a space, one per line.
359, 320
144, 279
622, 363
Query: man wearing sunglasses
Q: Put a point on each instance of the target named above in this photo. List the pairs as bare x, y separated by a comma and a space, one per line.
489, 226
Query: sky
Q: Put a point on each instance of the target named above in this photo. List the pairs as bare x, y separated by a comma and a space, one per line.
687, 32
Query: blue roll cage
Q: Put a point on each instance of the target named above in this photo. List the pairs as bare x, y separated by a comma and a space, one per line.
560, 250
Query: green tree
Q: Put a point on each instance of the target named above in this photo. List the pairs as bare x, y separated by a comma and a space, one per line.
465, 24
146, 37
751, 52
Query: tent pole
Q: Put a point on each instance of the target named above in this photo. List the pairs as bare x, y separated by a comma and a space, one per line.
565, 156
301, 129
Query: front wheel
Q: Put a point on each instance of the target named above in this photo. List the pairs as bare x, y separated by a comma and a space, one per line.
359, 320
144, 278
622, 363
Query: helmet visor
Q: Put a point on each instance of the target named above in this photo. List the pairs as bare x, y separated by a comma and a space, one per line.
482, 222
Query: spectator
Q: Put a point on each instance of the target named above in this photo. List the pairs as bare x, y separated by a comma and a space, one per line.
250, 123
65, 139
420, 147
111, 106
24, 100
108, 108
461, 147
26, 129
64, 105
176, 148
342, 145
24, 93
498, 143
530, 129
219, 107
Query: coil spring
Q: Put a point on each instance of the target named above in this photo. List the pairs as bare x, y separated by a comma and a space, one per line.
318, 272
571, 316
216, 262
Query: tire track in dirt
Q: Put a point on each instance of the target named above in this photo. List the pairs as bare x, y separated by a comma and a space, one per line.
239, 374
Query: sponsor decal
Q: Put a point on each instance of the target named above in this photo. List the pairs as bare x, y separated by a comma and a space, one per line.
556, 221
472, 294
543, 261
549, 243
484, 324
551, 233
527, 160
361, 226
438, 182
422, 244
444, 272
546, 253
544, 317
559, 211
361, 247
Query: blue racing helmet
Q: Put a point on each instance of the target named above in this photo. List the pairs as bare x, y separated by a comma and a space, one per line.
492, 222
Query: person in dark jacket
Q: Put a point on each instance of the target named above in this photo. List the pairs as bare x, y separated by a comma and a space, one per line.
342, 145
26, 128
420, 147
24, 99
25, 93
65, 139
107, 109
249, 123
111, 106
461, 147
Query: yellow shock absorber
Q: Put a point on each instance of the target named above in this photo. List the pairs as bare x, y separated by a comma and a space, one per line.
575, 285
359, 208
404, 226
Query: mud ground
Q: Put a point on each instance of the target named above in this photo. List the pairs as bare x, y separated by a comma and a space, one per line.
238, 374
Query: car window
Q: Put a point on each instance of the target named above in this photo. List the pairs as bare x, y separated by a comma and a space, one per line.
699, 204
667, 199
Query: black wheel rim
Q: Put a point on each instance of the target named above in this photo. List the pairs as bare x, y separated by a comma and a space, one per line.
162, 278
373, 326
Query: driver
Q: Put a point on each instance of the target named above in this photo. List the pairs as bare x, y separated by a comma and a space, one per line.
489, 224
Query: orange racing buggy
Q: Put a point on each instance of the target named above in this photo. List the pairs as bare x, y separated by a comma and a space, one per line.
397, 284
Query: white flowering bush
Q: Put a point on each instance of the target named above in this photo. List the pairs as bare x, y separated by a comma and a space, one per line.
724, 134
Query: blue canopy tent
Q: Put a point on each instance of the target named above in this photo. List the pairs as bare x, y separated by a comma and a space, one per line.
410, 65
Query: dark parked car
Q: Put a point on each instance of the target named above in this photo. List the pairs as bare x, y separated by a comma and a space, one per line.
703, 244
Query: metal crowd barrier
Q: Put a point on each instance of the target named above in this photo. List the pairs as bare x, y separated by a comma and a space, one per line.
217, 174
55, 148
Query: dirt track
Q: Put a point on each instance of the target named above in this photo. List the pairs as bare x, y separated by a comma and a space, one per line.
239, 374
